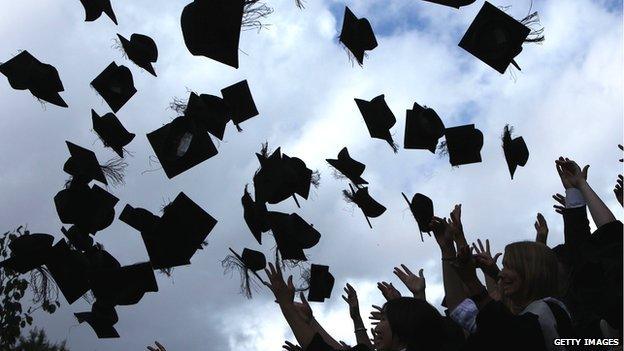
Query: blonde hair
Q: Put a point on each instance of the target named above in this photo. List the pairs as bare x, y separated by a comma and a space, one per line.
537, 266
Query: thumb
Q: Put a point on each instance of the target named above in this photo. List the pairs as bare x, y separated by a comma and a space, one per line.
420, 274
585, 169
497, 256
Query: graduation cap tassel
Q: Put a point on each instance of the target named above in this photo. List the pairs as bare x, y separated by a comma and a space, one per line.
114, 169
537, 34
178, 105
253, 13
315, 179
299, 4
296, 201
43, 287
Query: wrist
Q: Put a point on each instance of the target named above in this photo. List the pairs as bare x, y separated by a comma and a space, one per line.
474, 286
448, 253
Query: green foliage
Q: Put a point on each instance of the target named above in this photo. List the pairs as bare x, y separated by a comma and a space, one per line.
37, 341
13, 287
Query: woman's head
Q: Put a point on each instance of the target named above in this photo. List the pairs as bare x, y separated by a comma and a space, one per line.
409, 323
530, 272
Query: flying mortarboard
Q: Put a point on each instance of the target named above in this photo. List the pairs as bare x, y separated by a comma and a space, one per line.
102, 318
452, 3
139, 219
423, 128
378, 118
349, 167
115, 85
209, 113
94, 9
211, 28
141, 50
357, 35
69, 268
239, 101
111, 131
365, 202
464, 144
496, 38
92, 209
321, 283
255, 215
516, 151
83, 165
250, 260
292, 234
124, 285
179, 146
422, 209
28, 252
78, 237
24, 71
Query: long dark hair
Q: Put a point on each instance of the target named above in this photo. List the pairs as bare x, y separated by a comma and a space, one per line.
415, 323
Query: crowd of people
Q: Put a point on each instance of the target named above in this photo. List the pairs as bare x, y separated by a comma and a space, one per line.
568, 297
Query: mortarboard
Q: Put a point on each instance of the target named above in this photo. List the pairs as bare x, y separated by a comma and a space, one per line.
83, 165
24, 71
180, 147
423, 128
349, 167
69, 268
28, 252
378, 118
209, 113
141, 50
115, 85
101, 319
452, 3
357, 35
250, 260
292, 235
253, 260
516, 151
365, 202
173, 240
111, 131
321, 283
255, 214
211, 28
124, 285
92, 209
94, 9
422, 210
495, 38
78, 237
464, 144
140, 219
239, 102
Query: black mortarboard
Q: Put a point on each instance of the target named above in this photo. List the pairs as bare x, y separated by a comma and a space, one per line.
115, 85
422, 210
253, 260
321, 283
173, 240
495, 38
141, 50
180, 147
28, 252
140, 219
464, 144
211, 28
111, 131
83, 164
516, 151
378, 118
101, 319
24, 71
209, 113
94, 9
365, 202
78, 237
255, 214
452, 3
92, 209
124, 285
300, 177
239, 102
292, 235
423, 128
357, 35
69, 268
349, 167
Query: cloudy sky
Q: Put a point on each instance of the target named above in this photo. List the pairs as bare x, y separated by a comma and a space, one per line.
567, 100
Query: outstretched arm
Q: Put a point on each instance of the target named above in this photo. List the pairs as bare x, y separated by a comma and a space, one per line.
361, 336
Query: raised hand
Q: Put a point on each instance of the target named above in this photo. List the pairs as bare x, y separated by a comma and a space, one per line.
415, 283
618, 189
157, 347
456, 227
352, 300
484, 260
288, 346
443, 236
284, 293
541, 227
561, 200
303, 308
465, 265
570, 173
388, 291
375, 315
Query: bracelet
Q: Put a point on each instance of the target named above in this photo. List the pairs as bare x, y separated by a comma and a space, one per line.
360, 329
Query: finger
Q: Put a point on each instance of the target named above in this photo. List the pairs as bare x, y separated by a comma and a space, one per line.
290, 282
497, 256
421, 274
474, 247
406, 269
402, 276
151, 348
303, 299
559, 211
160, 347
585, 169
279, 272
377, 308
344, 298
536, 225
480, 245
487, 245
